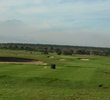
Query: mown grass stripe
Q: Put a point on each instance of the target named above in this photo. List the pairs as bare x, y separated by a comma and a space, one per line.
83, 74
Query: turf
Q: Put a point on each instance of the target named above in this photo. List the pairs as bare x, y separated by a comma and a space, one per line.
73, 79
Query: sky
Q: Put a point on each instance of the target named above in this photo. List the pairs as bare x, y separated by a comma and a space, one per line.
63, 22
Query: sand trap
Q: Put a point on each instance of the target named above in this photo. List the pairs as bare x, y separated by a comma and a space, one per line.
51, 57
32, 62
84, 59
45, 67
62, 59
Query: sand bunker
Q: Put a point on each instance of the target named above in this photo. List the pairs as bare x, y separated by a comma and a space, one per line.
85, 59
45, 67
33, 62
50, 56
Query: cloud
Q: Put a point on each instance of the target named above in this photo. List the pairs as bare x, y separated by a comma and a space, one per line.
20, 3
83, 1
33, 10
75, 22
43, 34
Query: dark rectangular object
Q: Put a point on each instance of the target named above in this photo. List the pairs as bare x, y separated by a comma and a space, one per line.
53, 66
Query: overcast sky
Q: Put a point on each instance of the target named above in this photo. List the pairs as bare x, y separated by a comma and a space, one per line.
67, 22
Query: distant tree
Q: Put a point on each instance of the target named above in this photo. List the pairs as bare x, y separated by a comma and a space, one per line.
45, 52
67, 52
58, 51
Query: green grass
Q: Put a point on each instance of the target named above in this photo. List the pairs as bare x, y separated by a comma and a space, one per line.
73, 79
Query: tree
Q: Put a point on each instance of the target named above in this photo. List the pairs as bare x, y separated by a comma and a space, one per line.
45, 52
58, 51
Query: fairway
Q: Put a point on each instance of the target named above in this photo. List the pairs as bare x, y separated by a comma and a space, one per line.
73, 79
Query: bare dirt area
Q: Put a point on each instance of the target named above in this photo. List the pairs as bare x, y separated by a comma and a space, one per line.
13, 60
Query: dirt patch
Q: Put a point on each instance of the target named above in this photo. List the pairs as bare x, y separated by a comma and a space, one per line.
62, 59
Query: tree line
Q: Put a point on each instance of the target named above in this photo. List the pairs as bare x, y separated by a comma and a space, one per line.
59, 49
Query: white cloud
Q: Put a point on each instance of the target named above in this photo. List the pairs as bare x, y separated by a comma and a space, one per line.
39, 34
33, 10
37, 1
9, 3
56, 21
18, 2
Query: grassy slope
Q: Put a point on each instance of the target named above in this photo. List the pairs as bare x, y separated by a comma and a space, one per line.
73, 79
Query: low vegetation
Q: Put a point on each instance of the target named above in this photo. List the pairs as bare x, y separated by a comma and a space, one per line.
76, 77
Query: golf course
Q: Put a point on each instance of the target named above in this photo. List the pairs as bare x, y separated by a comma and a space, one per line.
29, 76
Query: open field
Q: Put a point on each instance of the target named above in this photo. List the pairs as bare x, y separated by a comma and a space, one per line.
77, 77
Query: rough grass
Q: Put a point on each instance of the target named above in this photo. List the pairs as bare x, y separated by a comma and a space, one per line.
72, 79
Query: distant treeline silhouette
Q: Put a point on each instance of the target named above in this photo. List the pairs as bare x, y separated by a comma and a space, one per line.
59, 49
